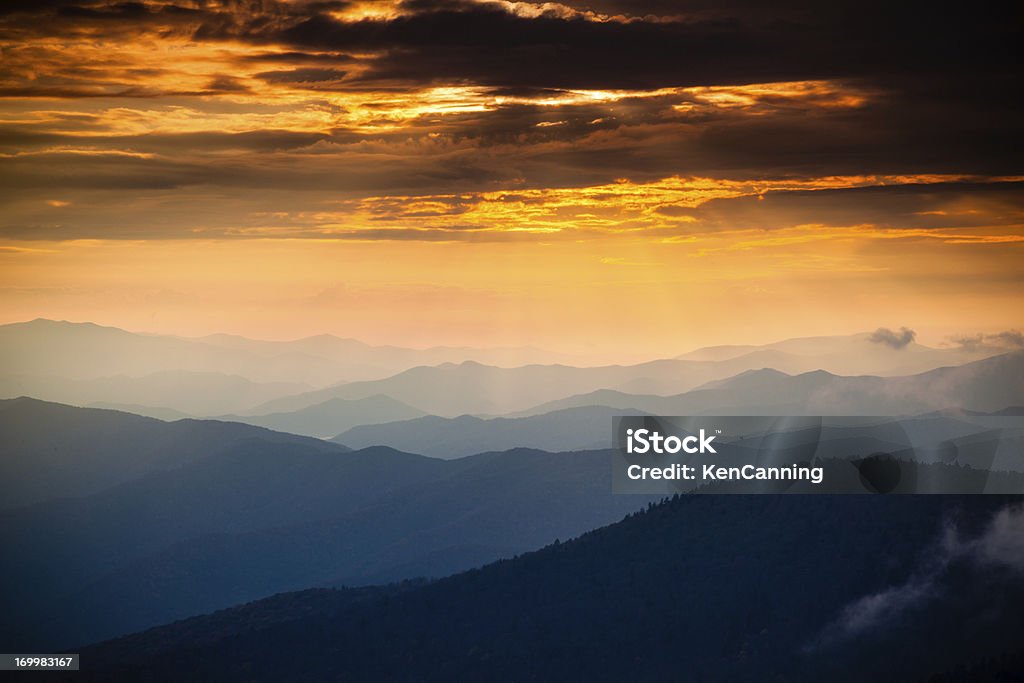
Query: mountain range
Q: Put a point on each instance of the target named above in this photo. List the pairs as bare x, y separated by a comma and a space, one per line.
369, 473
86, 364
986, 385
584, 421
184, 393
571, 429
54, 451
223, 513
844, 588
243, 513
326, 419
450, 390
83, 363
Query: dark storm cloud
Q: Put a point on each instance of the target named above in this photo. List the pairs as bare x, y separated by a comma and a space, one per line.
306, 76
483, 43
299, 58
215, 86
946, 83
226, 84
220, 230
507, 149
923, 206
357, 172
112, 20
703, 44
930, 92
125, 12
101, 19
37, 7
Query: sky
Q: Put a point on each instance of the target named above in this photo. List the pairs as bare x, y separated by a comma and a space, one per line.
623, 177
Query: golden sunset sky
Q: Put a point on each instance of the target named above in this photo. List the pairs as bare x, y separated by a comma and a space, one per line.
628, 179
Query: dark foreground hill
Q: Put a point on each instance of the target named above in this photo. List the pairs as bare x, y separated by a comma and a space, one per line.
199, 515
750, 588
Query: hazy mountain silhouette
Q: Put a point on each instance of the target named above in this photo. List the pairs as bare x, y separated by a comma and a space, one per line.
563, 430
366, 361
83, 363
591, 427
218, 513
856, 354
466, 388
450, 390
48, 348
700, 588
470, 388
50, 451
334, 415
991, 384
42, 349
165, 414
186, 392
